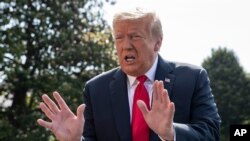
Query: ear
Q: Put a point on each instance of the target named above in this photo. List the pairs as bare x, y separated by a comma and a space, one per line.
158, 44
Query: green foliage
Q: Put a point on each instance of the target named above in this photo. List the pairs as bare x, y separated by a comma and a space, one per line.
230, 88
47, 45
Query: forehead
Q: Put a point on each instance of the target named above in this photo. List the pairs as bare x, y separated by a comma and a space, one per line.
131, 25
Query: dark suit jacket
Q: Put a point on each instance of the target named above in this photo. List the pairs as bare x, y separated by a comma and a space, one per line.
107, 116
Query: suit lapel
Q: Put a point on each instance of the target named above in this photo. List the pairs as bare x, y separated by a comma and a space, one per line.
163, 72
120, 105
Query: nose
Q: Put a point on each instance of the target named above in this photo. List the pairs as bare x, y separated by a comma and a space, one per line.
127, 44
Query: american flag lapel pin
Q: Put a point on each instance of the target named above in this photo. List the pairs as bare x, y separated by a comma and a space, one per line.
167, 80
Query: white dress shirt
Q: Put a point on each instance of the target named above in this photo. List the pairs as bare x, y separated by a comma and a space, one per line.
132, 83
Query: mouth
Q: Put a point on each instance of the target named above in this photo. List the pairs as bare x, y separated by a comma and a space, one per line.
129, 58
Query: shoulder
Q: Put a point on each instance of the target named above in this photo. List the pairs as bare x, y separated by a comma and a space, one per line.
103, 77
189, 71
175, 67
180, 66
183, 69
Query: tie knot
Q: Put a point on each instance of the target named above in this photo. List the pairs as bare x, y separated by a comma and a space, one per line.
142, 78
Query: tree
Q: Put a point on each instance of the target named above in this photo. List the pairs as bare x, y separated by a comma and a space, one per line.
47, 45
230, 88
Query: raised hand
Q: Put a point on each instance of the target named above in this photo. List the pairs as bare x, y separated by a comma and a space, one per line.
160, 117
64, 124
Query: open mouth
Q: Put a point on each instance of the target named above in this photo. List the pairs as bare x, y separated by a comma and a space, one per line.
129, 58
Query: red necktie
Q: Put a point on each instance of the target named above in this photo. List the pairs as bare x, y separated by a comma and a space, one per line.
140, 129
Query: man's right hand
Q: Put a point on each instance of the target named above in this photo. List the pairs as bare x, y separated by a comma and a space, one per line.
160, 117
64, 124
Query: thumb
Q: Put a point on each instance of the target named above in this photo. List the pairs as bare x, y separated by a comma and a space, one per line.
172, 110
143, 108
80, 111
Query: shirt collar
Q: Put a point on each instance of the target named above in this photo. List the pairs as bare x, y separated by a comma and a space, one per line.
150, 73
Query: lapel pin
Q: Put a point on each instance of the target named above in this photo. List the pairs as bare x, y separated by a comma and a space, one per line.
167, 80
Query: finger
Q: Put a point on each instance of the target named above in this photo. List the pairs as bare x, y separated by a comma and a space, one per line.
143, 108
155, 96
172, 110
46, 111
44, 124
62, 104
157, 90
166, 97
51, 104
80, 111
160, 90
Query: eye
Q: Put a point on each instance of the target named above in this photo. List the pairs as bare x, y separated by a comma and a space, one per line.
118, 37
136, 37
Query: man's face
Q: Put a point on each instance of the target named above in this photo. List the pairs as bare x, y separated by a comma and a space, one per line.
136, 48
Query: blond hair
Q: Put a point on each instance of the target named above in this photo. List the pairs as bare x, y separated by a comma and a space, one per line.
138, 14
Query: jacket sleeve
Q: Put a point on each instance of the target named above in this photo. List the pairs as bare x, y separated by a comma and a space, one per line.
204, 118
89, 125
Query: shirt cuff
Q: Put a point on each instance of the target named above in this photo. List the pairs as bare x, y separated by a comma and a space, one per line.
167, 140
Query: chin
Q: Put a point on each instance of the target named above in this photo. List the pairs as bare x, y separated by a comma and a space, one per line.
131, 72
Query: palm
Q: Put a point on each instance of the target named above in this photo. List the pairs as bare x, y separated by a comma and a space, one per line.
65, 125
159, 112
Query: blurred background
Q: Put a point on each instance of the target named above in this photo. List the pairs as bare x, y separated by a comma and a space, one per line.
48, 45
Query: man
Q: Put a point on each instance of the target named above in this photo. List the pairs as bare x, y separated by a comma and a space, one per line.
178, 104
